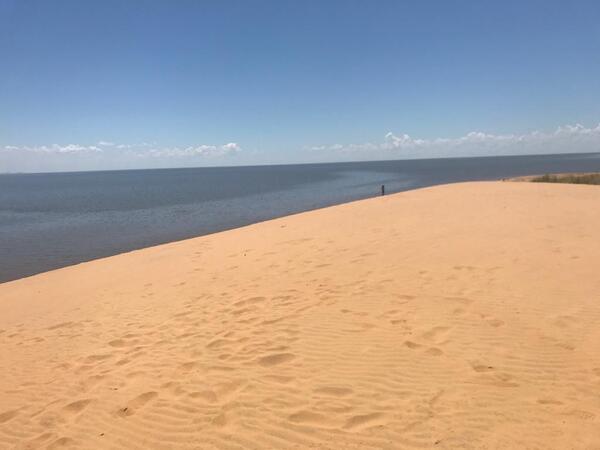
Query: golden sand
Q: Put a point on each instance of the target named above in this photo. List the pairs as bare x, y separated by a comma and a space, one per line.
459, 316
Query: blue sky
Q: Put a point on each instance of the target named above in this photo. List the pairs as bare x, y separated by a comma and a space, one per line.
192, 83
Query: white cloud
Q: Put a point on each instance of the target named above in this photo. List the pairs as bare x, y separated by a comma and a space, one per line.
109, 155
565, 139
230, 148
208, 151
138, 145
53, 149
113, 155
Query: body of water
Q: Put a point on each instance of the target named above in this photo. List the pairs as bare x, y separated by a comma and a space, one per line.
54, 220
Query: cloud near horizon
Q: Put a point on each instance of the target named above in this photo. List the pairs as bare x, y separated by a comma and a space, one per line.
53, 149
208, 151
565, 139
109, 155
106, 155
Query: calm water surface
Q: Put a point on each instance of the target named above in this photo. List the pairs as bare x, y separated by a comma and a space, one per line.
49, 221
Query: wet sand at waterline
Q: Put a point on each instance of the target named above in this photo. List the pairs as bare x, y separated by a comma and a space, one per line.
458, 316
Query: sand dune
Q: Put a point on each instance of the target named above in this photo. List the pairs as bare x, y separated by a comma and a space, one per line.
459, 316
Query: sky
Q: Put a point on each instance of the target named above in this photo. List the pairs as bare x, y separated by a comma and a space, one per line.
115, 84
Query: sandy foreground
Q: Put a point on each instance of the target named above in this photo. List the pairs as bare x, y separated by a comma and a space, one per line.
459, 316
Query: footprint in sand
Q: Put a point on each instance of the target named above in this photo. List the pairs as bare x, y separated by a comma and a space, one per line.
433, 351
117, 343
220, 420
549, 401
182, 315
276, 359
137, 403
482, 368
334, 391
207, 396
504, 380
187, 366
226, 390
77, 406
281, 379
8, 415
461, 300
249, 302
360, 422
565, 321
495, 323
397, 321
243, 311
61, 443
218, 343
436, 333
61, 325
412, 345
311, 418
361, 327
97, 358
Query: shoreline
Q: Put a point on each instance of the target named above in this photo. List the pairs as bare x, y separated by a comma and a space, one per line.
526, 178
443, 317
214, 233
147, 208
239, 227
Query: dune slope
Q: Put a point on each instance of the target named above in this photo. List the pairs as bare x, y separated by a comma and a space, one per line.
459, 316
